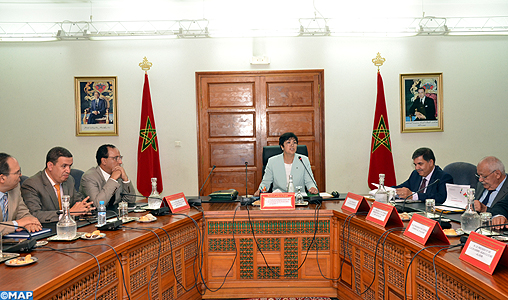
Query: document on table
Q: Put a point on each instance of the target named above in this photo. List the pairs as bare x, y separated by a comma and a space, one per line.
456, 195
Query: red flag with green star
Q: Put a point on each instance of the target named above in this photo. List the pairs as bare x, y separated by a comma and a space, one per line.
148, 149
381, 159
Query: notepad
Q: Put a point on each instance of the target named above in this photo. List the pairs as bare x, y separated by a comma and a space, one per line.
24, 233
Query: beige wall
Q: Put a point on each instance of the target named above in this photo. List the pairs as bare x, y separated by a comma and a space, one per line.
37, 98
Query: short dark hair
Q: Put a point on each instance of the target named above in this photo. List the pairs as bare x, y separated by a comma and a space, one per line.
286, 136
426, 153
55, 153
103, 152
4, 166
422, 88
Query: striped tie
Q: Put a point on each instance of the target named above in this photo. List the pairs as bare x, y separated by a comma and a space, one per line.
5, 203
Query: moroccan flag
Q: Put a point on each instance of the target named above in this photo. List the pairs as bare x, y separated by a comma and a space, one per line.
381, 159
148, 149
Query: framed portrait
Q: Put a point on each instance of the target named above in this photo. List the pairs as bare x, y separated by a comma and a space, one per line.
421, 102
96, 106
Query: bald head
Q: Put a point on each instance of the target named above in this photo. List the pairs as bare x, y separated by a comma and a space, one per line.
491, 172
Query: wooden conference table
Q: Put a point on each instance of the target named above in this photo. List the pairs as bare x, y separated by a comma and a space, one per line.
275, 261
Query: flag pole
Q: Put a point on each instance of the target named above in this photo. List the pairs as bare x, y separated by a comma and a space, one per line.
381, 158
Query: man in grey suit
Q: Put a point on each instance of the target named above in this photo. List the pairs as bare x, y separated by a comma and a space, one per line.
12, 207
492, 189
108, 180
492, 186
43, 192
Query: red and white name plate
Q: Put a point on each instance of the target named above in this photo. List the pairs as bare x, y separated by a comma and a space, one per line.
177, 202
420, 229
355, 203
484, 253
277, 201
384, 214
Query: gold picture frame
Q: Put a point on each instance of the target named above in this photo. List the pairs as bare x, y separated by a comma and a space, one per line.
96, 105
423, 114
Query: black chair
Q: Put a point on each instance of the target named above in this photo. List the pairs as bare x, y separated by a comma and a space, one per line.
462, 173
23, 178
269, 151
76, 174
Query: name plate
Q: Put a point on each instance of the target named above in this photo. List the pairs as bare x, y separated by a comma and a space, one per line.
421, 229
355, 203
384, 214
177, 202
277, 201
483, 252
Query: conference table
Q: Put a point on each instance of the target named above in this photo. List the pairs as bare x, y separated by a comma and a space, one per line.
245, 252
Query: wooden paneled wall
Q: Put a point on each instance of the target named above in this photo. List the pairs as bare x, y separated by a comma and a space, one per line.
240, 112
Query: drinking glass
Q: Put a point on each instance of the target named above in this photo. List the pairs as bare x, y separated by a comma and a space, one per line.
430, 208
485, 220
123, 210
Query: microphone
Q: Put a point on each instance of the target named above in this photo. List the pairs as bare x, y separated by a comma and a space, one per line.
246, 200
23, 246
158, 211
444, 225
197, 202
404, 203
246, 193
314, 199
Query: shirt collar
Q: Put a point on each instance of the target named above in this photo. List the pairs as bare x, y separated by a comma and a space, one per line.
50, 180
105, 174
428, 177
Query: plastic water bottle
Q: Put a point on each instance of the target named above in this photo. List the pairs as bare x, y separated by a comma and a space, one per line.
101, 214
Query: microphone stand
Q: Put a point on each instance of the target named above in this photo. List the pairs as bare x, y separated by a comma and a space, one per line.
23, 246
314, 199
404, 203
463, 239
158, 211
246, 200
197, 201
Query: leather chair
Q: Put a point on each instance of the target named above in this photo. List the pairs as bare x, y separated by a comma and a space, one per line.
462, 173
23, 178
76, 174
269, 151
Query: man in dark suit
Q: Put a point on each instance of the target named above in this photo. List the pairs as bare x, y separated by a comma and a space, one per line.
12, 208
423, 107
97, 108
423, 177
43, 192
108, 180
492, 190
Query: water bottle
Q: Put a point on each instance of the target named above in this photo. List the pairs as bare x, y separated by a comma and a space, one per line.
101, 214
291, 186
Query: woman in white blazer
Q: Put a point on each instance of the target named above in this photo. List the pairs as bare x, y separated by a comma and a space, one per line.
279, 167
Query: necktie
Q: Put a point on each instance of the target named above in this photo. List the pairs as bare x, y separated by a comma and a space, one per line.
486, 200
5, 203
57, 187
423, 185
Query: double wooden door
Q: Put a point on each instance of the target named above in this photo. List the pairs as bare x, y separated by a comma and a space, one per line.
240, 112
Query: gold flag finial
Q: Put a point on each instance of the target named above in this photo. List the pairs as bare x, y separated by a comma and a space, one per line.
378, 61
145, 64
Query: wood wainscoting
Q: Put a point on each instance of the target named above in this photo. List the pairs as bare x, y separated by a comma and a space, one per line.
240, 112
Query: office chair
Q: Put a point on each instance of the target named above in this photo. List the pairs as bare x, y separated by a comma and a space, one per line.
23, 178
76, 174
462, 173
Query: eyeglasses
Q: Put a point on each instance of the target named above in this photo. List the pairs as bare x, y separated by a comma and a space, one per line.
484, 177
15, 173
117, 158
